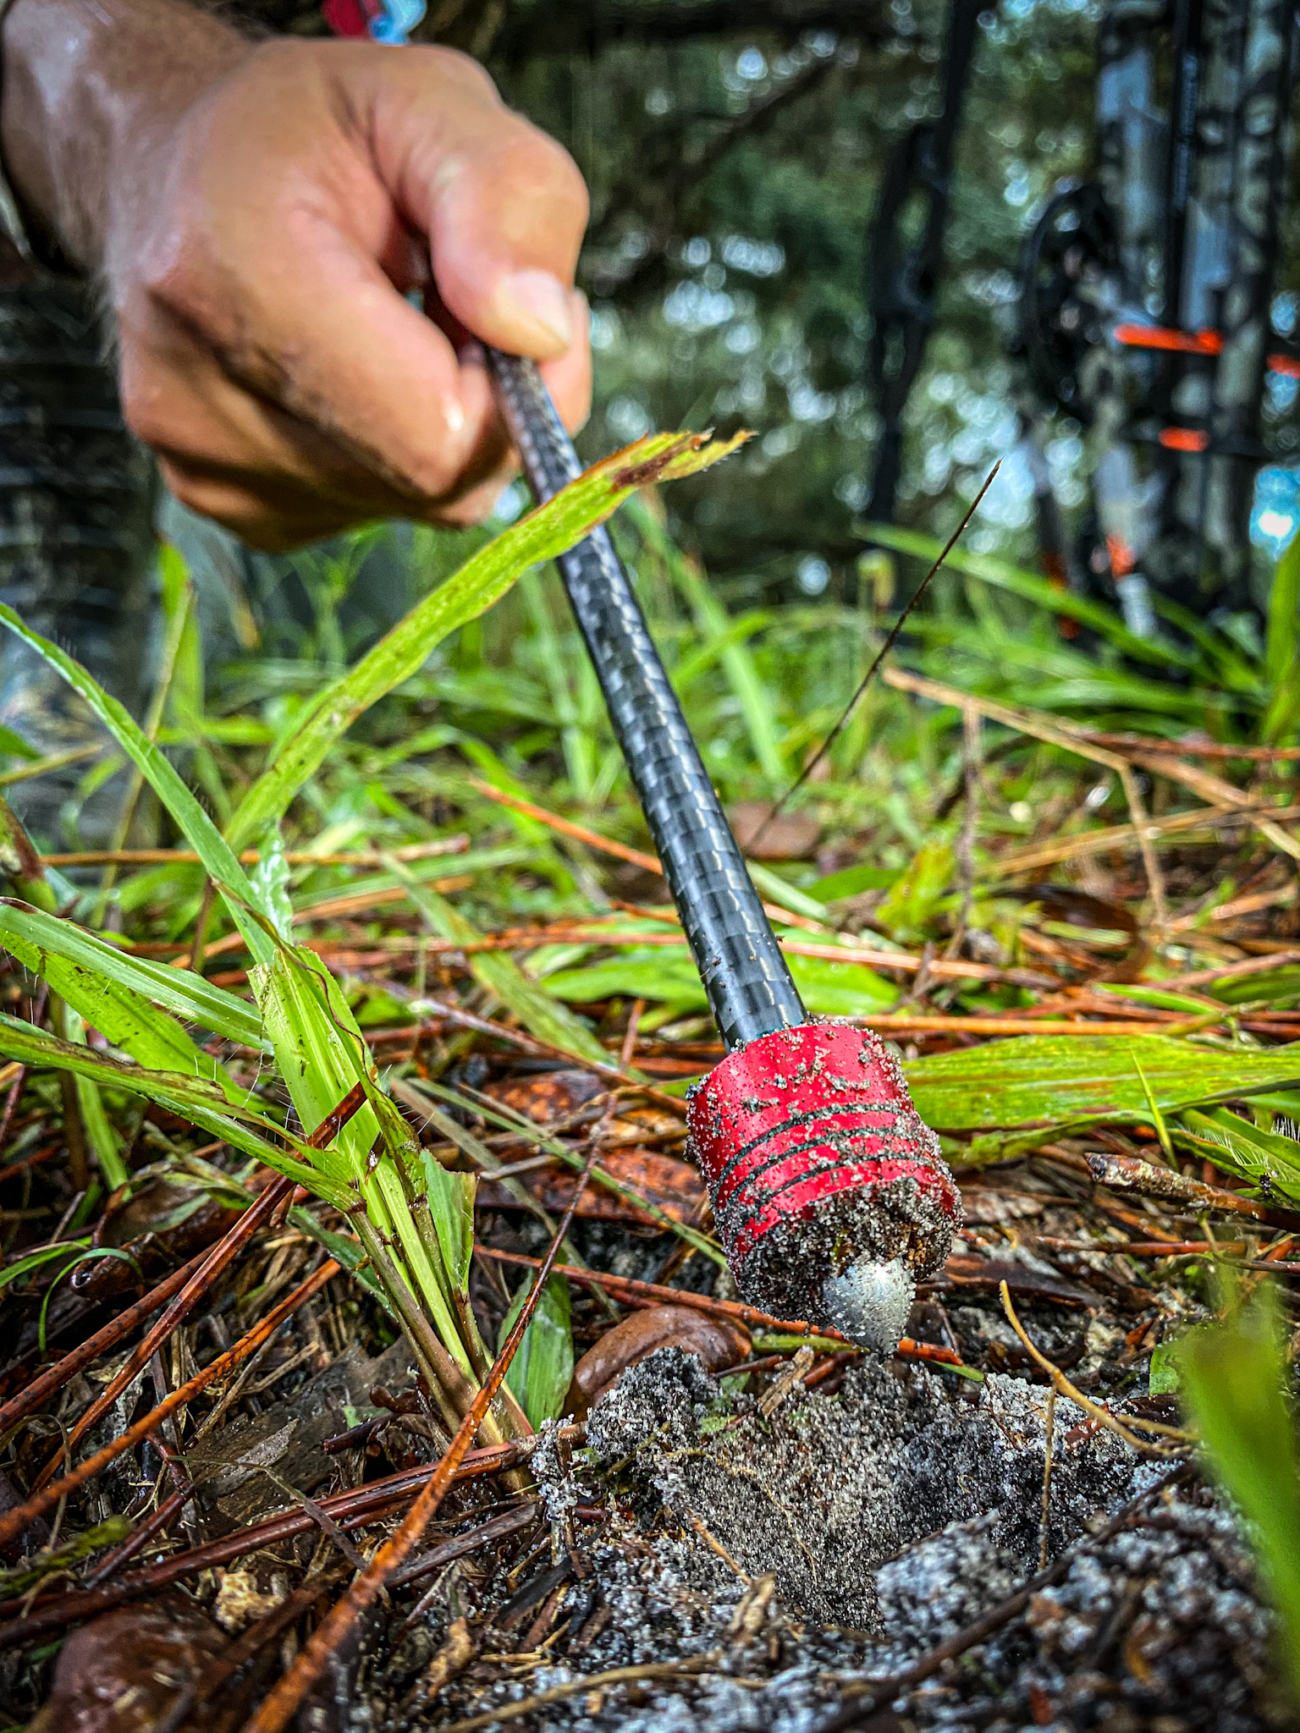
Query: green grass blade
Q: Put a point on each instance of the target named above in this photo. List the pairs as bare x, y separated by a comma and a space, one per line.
1044, 1079
28, 932
319, 1051
541, 535
42, 1255
198, 829
1233, 1377
45, 945
1033, 588
542, 1368
758, 707
1282, 648
193, 1098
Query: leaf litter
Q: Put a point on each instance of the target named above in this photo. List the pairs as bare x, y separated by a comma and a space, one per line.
676, 1511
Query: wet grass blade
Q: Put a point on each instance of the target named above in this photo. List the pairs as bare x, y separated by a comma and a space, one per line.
541, 535
31, 934
1044, 1079
193, 1098
202, 835
1233, 1376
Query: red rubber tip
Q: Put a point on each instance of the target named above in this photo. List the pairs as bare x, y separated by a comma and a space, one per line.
817, 1164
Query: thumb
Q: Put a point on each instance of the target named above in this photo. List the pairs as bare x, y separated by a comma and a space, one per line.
502, 204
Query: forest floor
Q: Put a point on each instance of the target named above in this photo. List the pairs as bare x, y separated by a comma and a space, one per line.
726, 1525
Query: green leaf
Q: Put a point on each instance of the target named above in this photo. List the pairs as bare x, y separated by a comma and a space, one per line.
852, 881
15, 746
1234, 1374
30, 933
451, 1205
1043, 1079
906, 912
541, 535
542, 1370
1164, 1378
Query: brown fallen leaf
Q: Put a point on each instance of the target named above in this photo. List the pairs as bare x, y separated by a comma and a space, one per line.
716, 1344
546, 1095
673, 1186
124, 1672
792, 836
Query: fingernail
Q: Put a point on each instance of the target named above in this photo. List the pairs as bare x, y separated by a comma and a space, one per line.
538, 299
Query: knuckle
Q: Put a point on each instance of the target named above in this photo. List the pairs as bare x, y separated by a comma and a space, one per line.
457, 68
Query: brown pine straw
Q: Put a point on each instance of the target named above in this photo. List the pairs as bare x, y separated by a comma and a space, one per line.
1103, 1417
46, 1383
281, 1704
200, 1283
251, 856
629, 1291
14, 1521
357, 1507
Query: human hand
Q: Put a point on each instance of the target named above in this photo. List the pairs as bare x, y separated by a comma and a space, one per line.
267, 208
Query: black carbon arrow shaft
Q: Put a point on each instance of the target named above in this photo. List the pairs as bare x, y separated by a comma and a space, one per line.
748, 982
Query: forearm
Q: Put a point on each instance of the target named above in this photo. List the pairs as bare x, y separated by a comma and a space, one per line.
88, 87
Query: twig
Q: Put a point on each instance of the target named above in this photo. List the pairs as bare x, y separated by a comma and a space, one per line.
566, 827
655, 1294
1129, 1173
356, 1508
1102, 1416
1123, 835
46, 1383
281, 1704
1044, 728
893, 637
1230, 971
